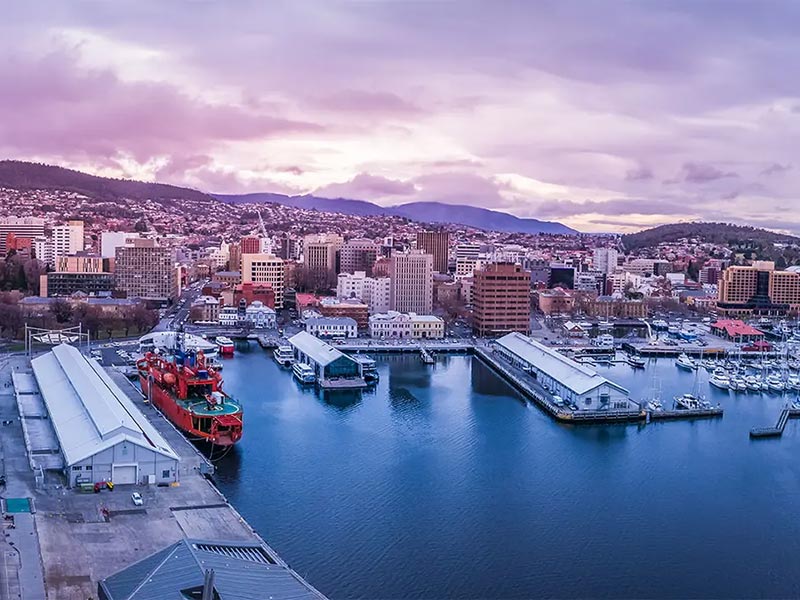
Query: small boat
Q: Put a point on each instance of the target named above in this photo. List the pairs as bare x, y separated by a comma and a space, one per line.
225, 345
685, 362
655, 405
753, 383
369, 369
720, 379
737, 384
586, 360
793, 382
284, 355
637, 362
303, 373
558, 400
660, 324
709, 365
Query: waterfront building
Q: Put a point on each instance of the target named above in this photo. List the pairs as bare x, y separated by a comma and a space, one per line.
332, 367
145, 270
412, 282
205, 308
265, 268
332, 327
437, 244
557, 301
501, 299
101, 433
358, 255
575, 383
250, 292
351, 308
404, 326
605, 260
261, 316
228, 316
181, 570
758, 289
21, 227
736, 331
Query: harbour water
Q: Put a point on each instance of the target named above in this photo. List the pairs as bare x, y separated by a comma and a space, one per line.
443, 482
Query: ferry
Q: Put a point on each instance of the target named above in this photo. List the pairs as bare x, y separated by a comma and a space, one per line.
369, 370
284, 355
304, 373
225, 345
685, 362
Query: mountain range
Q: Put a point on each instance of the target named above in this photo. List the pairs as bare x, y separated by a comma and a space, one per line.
424, 212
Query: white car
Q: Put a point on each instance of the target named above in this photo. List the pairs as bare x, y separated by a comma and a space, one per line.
137, 499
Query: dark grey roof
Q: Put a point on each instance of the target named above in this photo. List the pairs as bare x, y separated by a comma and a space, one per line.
242, 571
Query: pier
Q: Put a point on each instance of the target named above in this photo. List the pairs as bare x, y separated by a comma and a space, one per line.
777, 431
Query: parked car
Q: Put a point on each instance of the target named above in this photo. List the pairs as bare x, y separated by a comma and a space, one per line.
137, 499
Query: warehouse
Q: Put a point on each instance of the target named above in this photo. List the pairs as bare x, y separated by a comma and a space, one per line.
575, 383
102, 435
333, 368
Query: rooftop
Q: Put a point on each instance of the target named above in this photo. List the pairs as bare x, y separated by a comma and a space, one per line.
573, 375
322, 321
735, 327
89, 411
321, 352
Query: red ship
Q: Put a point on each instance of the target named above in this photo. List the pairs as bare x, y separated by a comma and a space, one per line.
189, 393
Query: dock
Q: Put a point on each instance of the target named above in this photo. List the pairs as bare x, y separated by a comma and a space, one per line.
777, 431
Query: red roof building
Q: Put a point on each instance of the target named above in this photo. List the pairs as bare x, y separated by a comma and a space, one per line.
734, 329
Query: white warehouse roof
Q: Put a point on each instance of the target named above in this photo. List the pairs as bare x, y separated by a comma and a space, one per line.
321, 353
573, 375
88, 409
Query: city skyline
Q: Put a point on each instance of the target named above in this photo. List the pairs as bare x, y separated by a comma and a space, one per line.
559, 111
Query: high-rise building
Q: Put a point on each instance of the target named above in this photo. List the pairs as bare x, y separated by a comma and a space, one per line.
759, 289
372, 291
466, 251
437, 244
143, 269
265, 268
320, 252
25, 227
111, 240
234, 256
250, 244
605, 260
68, 239
412, 282
358, 255
501, 301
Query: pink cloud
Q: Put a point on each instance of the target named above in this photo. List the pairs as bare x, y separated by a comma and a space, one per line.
64, 111
367, 187
367, 102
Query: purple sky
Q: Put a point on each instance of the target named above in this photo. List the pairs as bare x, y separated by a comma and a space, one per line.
606, 115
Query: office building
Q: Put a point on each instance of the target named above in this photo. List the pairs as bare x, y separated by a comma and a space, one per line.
411, 288
758, 289
437, 244
372, 291
144, 270
62, 284
24, 227
328, 327
501, 300
68, 239
353, 309
465, 251
250, 245
265, 268
605, 260
320, 252
358, 255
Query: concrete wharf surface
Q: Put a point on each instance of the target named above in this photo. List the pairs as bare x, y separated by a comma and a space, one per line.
75, 539
777, 431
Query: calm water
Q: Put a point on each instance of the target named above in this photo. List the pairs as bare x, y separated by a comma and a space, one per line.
444, 483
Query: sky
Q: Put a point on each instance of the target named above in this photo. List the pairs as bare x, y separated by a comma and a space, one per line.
604, 115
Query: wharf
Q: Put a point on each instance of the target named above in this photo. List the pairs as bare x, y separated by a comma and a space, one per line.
533, 391
777, 431
663, 351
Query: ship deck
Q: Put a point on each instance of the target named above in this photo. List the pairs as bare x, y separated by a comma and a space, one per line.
200, 407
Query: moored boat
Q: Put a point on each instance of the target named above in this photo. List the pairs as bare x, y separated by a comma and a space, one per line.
685, 362
284, 355
637, 362
304, 373
719, 379
189, 393
225, 345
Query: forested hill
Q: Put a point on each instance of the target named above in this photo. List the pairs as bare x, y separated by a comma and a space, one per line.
714, 233
26, 175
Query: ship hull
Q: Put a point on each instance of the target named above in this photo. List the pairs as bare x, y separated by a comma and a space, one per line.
182, 418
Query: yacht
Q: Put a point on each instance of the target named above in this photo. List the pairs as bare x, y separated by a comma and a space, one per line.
637, 362
369, 370
720, 379
793, 382
775, 383
660, 324
737, 384
688, 402
685, 362
655, 405
284, 355
303, 373
708, 364
753, 383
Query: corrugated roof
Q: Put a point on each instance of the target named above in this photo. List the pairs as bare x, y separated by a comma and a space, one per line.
573, 375
182, 565
88, 409
332, 321
322, 353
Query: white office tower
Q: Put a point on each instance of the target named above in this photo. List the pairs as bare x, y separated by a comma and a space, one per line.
605, 260
68, 239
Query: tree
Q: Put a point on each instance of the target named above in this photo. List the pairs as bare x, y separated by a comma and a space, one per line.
10, 319
140, 226
61, 310
89, 317
143, 318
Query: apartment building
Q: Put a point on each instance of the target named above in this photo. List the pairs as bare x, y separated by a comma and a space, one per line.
372, 291
358, 254
21, 227
143, 269
437, 244
605, 260
501, 300
320, 252
68, 239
